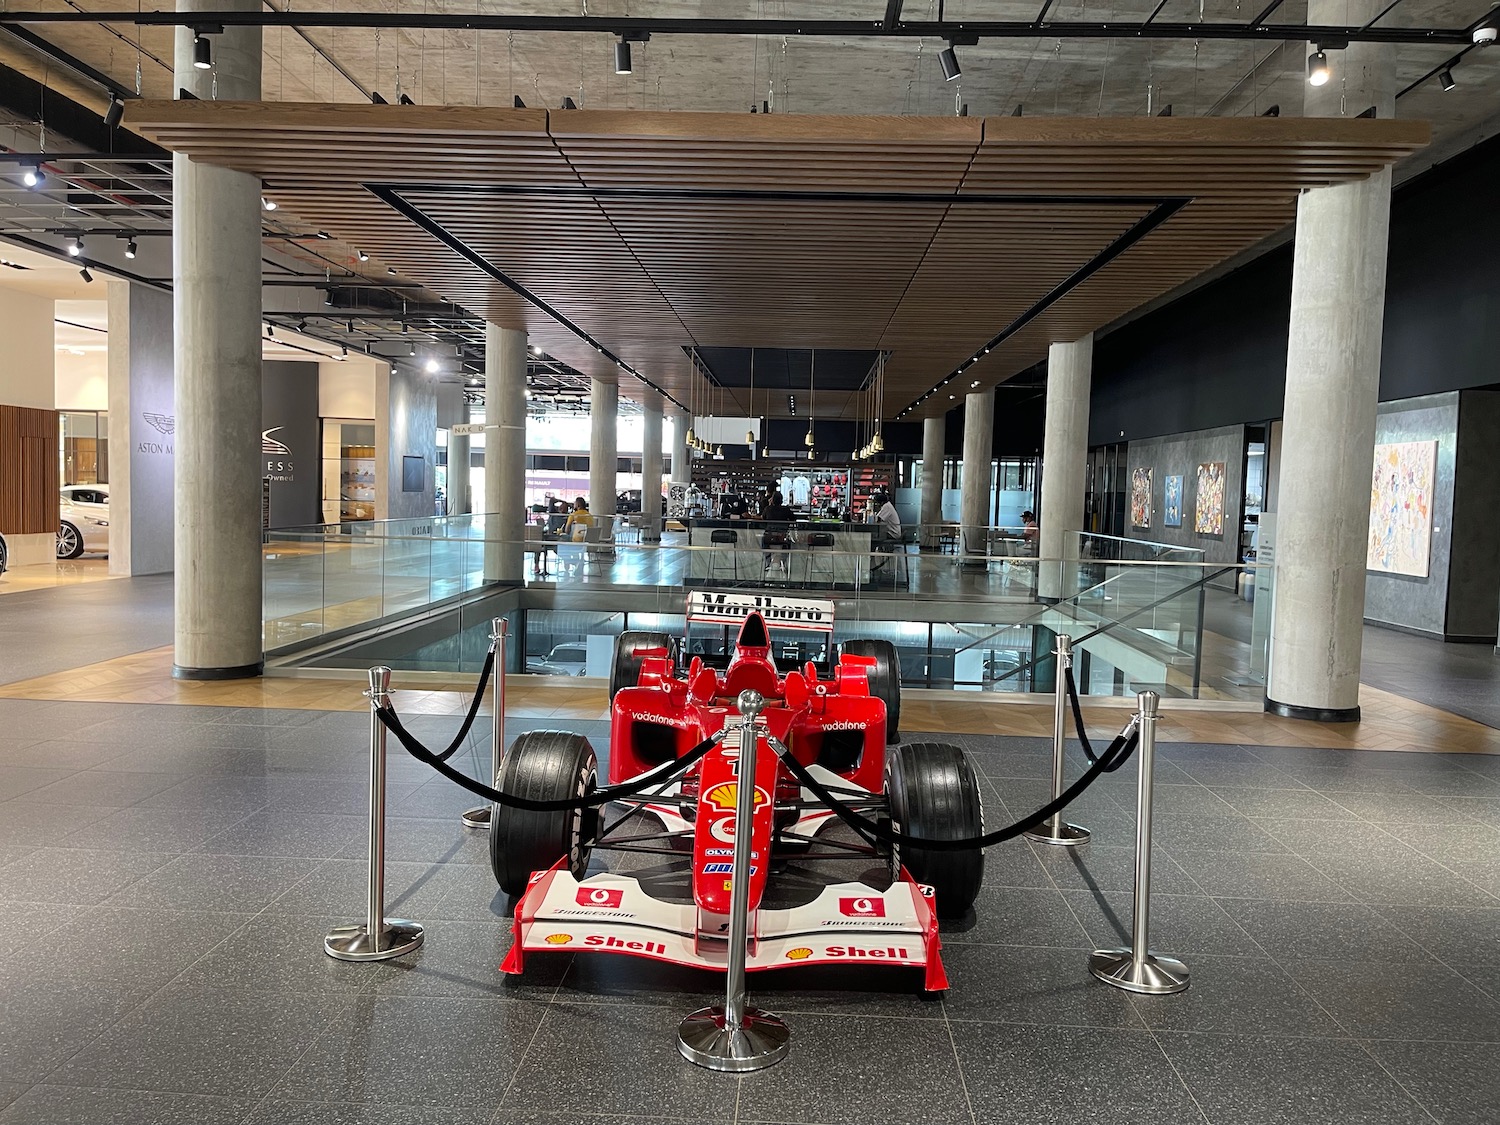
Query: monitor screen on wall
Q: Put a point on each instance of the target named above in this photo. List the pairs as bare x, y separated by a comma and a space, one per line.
413, 474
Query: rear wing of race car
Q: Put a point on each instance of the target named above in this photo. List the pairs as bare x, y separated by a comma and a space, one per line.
729, 609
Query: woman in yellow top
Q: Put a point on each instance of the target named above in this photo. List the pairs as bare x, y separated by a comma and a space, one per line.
578, 517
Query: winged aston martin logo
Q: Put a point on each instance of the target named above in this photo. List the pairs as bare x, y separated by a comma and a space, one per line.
270, 445
162, 423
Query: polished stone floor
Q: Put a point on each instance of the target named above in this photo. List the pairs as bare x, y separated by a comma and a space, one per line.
167, 874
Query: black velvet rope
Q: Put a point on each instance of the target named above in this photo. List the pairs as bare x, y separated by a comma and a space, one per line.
463, 731
658, 776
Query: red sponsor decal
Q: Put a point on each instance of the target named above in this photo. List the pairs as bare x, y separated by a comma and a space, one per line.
600, 896
862, 907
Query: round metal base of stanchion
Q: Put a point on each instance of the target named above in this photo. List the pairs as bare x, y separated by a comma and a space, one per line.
1068, 836
352, 943
477, 818
760, 1041
1156, 975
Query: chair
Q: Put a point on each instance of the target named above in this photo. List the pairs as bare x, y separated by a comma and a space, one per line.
724, 537
894, 552
775, 544
820, 557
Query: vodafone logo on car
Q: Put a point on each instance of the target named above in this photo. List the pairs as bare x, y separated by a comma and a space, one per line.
862, 907
601, 897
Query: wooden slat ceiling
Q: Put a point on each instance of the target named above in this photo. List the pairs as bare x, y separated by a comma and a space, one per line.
655, 232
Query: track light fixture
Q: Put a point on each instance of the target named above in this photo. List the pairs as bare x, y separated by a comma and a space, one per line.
203, 52
270, 332
267, 204
362, 256
622, 57
75, 247
1445, 79
32, 176
948, 60
1317, 69
432, 366
414, 351
115, 113
131, 249
84, 273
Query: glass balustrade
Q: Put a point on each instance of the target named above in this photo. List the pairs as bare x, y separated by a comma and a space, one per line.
420, 594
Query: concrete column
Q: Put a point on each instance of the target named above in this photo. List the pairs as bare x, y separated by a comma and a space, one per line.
460, 500
682, 421
974, 496
504, 453
931, 514
140, 361
651, 470
1065, 452
1332, 389
604, 408
216, 382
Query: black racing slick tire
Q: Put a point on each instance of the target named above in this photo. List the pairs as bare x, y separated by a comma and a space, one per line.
543, 765
626, 670
4, 555
885, 680
934, 793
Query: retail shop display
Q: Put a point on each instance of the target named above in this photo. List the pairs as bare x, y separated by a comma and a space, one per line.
1140, 498
1401, 508
1209, 519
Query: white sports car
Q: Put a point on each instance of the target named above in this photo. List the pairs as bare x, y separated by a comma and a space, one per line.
84, 525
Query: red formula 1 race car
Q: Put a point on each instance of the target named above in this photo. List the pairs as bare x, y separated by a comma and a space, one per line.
674, 904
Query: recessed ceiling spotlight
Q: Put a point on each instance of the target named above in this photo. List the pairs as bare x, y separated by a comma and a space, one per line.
975, 383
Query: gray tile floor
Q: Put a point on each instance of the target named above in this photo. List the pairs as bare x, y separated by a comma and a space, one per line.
167, 874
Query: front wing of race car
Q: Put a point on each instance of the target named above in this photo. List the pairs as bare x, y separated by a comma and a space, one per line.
847, 923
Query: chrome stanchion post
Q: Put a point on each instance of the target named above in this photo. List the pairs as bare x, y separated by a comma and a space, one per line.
1057, 830
1137, 969
378, 937
499, 631
737, 1037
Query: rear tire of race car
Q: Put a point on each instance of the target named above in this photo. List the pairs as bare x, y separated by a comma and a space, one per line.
934, 793
626, 670
542, 765
885, 680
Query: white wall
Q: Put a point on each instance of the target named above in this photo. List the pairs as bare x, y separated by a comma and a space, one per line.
346, 390
26, 364
82, 380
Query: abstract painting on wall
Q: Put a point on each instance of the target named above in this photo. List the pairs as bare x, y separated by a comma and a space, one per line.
1401, 508
1140, 498
1172, 502
1210, 516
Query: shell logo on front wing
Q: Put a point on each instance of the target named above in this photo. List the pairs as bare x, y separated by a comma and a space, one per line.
727, 795
558, 939
801, 953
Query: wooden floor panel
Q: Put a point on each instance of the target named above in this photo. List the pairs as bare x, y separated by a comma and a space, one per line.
1389, 722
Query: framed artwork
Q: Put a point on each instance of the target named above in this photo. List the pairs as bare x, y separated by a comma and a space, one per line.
1209, 519
413, 474
1401, 508
1172, 502
1140, 498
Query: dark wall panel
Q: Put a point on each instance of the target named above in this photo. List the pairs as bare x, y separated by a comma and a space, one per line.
289, 445
1218, 356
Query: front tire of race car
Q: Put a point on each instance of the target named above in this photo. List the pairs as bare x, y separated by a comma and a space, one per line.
626, 670
542, 765
934, 793
884, 680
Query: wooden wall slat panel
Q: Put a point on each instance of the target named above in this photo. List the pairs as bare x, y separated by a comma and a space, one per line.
28, 471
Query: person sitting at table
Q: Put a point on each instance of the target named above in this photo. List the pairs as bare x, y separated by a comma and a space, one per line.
887, 526
1029, 531
574, 532
777, 537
